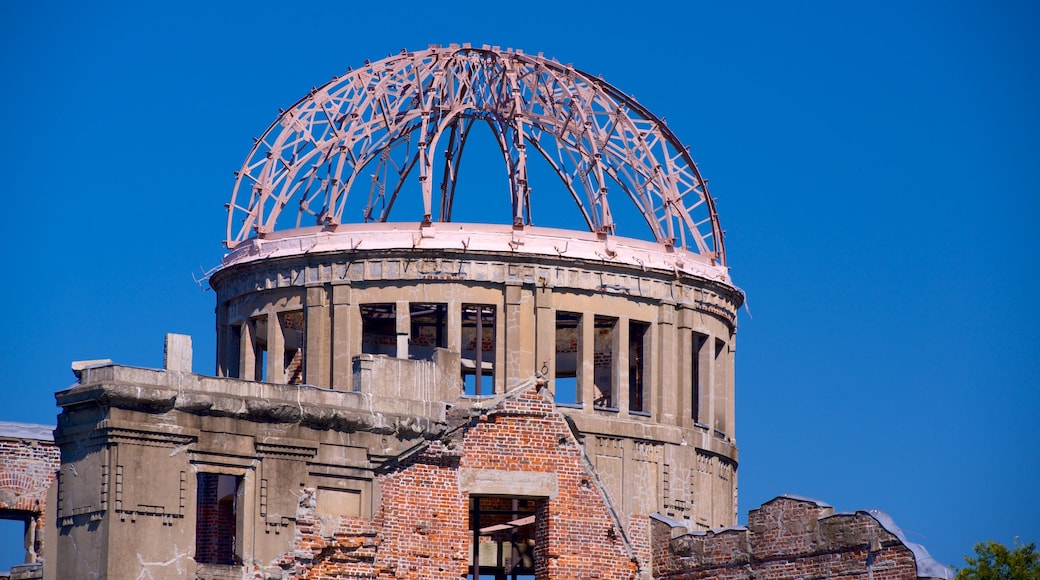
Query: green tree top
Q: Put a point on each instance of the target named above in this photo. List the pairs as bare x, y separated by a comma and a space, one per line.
994, 561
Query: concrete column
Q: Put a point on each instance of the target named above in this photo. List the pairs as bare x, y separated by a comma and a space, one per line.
731, 419
708, 387
512, 323
454, 326
403, 321
621, 335
682, 396
627, 460
667, 366
30, 540
247, 350
342, 344
721, 386
317, 357
275, 349
224, 347
587, 362
529, 366
545, 333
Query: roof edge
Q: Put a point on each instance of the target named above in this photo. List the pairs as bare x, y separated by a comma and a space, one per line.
529, 240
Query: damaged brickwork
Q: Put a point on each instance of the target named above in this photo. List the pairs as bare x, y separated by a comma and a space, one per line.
28, 463
421, 530
792, 537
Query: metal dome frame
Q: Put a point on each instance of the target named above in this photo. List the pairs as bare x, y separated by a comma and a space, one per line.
591, 134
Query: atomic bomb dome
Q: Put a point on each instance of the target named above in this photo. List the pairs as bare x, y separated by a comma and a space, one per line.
402, 395
347, 273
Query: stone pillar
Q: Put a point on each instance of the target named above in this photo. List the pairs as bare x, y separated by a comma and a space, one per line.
403, 320
275, 349
513, 325
721, 386
682, 398
545, 334
587, 366
668, 366
225, 360
621, 336
247, 350
709, 386
731, 419
342, 343
316, 344
454, 326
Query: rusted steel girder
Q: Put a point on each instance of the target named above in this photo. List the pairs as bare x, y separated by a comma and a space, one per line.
395, 115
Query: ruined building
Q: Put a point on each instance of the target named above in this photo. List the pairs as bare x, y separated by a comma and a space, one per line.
418, 397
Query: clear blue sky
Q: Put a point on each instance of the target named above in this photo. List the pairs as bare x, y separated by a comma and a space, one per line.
877, 169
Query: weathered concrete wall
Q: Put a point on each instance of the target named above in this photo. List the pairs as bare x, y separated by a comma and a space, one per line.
134, 442
789, 538
647, 358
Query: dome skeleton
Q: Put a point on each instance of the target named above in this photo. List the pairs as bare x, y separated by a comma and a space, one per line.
411, 104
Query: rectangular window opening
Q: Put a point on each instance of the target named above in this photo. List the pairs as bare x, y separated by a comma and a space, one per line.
503, 538
697, 375
379, 329
234, 352
604, 362
638, 335
429, 329
293, 337
260, 352
568, 358
216, 519
19, 544
478, 349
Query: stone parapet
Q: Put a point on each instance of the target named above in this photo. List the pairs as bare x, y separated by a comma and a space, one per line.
154, 391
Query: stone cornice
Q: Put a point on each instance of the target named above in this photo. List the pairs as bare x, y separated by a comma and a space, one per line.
153, 391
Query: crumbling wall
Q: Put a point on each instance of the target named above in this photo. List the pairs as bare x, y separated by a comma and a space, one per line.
517, 446
788, 538
579, 536
28, 462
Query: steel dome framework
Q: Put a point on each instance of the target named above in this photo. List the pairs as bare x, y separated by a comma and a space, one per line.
395, 115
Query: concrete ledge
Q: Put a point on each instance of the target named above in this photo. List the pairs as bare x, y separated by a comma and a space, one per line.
30, 431
511, 483
478, 238
154, 391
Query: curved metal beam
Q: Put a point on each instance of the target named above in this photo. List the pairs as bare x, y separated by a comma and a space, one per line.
316, 150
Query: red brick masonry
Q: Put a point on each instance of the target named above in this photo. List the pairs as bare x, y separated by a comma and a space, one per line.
28, 462
422, 528
791, 537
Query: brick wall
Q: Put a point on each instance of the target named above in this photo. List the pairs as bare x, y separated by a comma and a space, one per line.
214, 523
421, 528
576, 535
786, 538
27, 469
